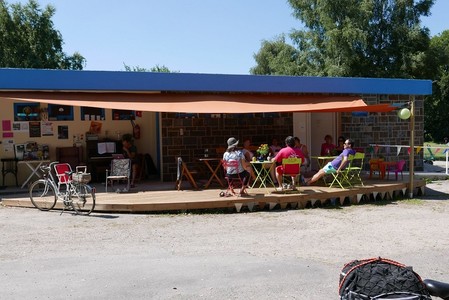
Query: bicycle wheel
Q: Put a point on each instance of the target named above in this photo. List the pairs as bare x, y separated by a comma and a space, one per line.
42, 195
83, 199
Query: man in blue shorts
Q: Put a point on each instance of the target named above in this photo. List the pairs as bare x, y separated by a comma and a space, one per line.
339, 163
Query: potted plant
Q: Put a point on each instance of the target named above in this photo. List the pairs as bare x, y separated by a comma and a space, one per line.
262, 152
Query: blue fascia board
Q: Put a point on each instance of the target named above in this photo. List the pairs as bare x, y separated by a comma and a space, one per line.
121, 81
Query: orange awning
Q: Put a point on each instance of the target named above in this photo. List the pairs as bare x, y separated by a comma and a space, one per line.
200, 103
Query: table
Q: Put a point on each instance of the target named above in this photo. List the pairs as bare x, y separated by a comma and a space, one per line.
383, 167
322, 161
214, 170
34, 166
263, 170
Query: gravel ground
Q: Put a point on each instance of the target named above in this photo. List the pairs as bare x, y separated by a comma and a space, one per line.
292, 254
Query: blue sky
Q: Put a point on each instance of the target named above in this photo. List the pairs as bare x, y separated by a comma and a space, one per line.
195, 36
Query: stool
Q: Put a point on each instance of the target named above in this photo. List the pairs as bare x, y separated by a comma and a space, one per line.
9, 166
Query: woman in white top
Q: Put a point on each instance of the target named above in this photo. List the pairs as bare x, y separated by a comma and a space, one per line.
232, 153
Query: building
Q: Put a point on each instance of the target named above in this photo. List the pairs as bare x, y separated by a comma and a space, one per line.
185, 114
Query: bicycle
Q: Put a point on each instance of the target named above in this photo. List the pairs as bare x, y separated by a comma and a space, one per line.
77, 196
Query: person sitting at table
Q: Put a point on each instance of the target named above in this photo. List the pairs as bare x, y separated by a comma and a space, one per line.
304, 151
327, 147
340, 146
336, 165
130, 151
233, 153
249, 157
289, 151
274, 148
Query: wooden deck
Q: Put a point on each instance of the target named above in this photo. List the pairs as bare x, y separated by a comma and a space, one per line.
148, 198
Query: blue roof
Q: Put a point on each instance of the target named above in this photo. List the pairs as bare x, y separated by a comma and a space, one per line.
69, 80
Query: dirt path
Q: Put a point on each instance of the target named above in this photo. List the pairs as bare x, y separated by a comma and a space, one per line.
294, 254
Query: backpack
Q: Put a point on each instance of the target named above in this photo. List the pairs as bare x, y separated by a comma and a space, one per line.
379, 278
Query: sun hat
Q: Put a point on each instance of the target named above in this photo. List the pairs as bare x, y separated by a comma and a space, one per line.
232, 142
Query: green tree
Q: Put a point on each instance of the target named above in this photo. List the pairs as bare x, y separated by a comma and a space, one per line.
436, 106
157, 69
28, 39
367, 38
277, 58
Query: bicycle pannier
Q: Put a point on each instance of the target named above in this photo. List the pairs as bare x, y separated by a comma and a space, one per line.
379, 278
81, 177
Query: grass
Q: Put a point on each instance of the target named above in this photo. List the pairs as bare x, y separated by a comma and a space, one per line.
438, 156
412, 201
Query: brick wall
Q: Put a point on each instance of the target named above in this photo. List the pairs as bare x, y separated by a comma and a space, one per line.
386, 129
203, 131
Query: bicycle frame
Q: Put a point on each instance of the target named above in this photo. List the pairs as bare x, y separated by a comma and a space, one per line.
74, 191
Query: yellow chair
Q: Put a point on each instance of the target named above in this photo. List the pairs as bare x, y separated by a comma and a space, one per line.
355, 168
292, 169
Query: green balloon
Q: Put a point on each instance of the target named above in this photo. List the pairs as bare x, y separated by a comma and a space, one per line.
404, 113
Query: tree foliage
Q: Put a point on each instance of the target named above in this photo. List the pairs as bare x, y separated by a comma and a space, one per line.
28, 39
365, 38
360, 38
436, 106
156, 69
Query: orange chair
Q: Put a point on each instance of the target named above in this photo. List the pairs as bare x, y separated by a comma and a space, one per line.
374, 166
398, 168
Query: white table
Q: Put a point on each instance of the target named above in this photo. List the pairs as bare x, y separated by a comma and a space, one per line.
34, 166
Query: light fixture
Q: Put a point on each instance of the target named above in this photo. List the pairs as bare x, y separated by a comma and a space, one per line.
404, 113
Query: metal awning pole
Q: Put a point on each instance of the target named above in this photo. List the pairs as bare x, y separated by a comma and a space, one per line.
412, 147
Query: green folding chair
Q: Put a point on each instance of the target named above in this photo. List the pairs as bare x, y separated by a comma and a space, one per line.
342, 178
355, 168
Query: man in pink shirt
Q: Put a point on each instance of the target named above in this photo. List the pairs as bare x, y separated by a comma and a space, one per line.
289, 151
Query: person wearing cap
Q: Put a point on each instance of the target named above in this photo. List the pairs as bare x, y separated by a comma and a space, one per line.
233, 153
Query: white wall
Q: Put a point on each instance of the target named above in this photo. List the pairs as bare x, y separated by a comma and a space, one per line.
146, 144
311, 129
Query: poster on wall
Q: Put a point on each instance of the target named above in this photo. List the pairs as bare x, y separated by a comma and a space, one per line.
27, 111
35, 129
47, 128
6, 125
19, 150
20, 126
8, 145
63, 132
92, 113
58, 112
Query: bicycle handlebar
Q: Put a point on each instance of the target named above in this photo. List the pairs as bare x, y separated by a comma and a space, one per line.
47, 168
437, 288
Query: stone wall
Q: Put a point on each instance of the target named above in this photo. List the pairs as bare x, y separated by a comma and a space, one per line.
188, 135
386, 129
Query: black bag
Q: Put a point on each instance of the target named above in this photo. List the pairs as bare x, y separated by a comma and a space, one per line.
379, 278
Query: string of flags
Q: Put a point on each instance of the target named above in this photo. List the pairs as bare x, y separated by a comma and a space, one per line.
374, 149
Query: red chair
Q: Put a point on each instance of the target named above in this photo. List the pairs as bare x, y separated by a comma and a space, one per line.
292, 169
398, 168
61, 173
234, 180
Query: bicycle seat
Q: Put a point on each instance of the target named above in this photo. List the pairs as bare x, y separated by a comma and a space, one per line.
437, 288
